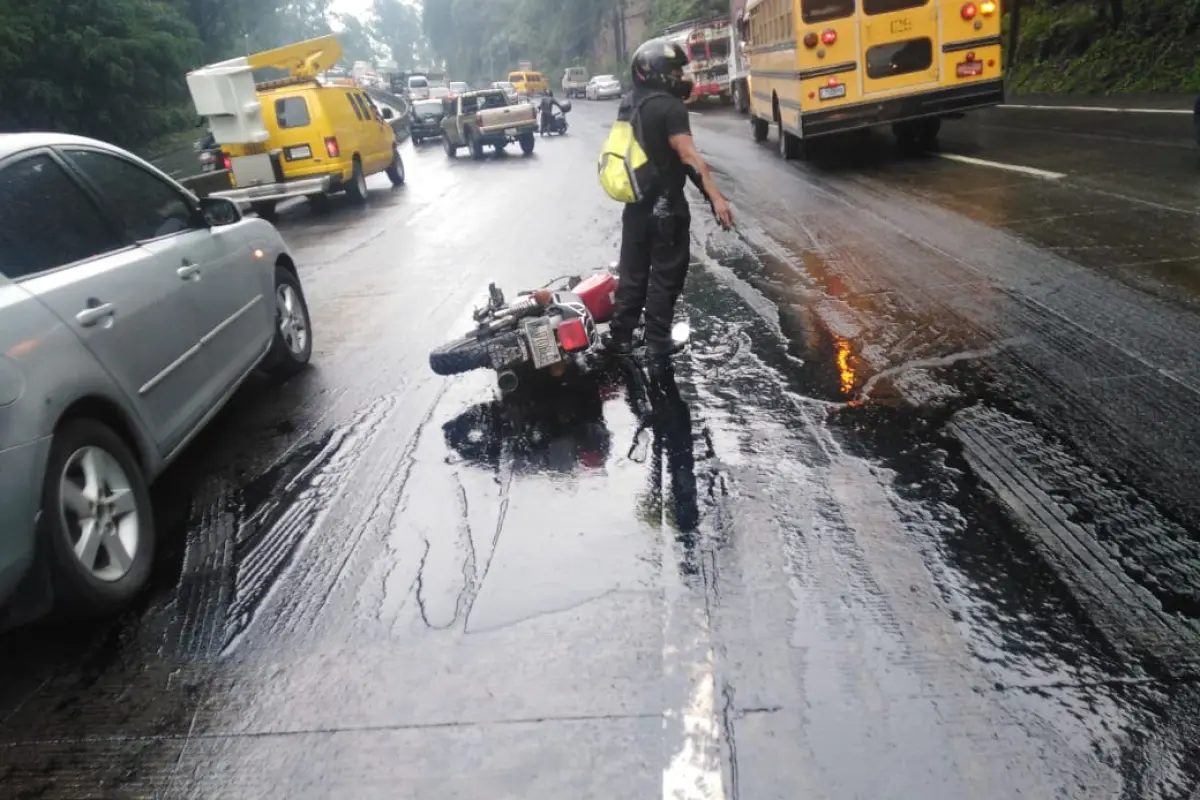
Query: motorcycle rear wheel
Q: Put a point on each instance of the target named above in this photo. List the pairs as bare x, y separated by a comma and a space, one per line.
459, 356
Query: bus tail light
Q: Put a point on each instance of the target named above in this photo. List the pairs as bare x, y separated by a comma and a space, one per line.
969, 11
829, 36
811, 40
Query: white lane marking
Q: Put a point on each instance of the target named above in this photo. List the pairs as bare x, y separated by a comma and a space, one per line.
980, 162
1104, 109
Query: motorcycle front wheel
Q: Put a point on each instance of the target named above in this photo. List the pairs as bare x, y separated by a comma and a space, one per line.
458, 356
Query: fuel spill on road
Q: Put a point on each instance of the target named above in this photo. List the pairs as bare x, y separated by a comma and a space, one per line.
381, 583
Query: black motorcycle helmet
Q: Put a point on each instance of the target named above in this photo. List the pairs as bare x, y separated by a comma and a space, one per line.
658, 64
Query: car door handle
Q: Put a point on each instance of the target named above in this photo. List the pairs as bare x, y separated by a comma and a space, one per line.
94, 313
187, 270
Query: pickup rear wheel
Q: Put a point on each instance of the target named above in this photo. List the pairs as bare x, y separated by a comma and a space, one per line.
475, 145
527, 142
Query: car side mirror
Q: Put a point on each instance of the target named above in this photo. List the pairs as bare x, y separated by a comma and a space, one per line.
218, 211
387, 114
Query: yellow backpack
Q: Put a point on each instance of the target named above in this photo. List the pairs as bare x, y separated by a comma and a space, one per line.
625, 171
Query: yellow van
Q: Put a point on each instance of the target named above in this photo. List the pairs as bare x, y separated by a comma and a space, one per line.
323, 137
528, 82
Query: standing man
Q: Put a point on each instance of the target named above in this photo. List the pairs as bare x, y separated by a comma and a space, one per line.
655, 233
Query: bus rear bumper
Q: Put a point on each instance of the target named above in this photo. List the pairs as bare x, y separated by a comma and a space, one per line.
943, 102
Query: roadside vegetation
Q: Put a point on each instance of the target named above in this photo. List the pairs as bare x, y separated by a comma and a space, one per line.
116, 69
1107, 47
484, 41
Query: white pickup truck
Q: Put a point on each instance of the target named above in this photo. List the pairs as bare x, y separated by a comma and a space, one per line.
574, 81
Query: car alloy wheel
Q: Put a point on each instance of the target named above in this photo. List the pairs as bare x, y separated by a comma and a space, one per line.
99, 512
293, 323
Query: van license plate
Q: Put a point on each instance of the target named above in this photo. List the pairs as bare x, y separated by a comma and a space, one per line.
968, 69
303, 151
542, 343
832, 92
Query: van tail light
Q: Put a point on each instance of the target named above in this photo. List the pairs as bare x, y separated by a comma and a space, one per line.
829, 36
226, 161
572, 335
331, 147
969, 11
811, 40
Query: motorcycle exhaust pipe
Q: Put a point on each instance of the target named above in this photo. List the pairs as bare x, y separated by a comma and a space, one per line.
507, 381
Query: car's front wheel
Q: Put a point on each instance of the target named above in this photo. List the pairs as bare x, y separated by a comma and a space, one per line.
97, 524
357, 188
291, 348
395, 172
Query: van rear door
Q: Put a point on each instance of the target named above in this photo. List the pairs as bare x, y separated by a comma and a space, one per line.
299, 132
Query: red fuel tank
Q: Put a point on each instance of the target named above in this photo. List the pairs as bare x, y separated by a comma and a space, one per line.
598, 293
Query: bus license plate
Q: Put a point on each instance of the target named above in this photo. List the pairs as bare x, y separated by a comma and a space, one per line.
832, 92
968, 69
542, 343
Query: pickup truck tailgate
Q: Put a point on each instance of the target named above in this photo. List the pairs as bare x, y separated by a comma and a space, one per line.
493, 119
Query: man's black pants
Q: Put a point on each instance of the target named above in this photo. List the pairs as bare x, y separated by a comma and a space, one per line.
654, 262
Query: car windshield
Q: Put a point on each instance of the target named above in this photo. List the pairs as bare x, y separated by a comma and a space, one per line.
417, 83
428, 106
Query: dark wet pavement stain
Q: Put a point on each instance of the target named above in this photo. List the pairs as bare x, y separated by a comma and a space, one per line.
803, 540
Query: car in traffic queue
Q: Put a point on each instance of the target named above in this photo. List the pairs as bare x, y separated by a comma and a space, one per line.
508, 88
485, 118
458, 87
425, 120
322, 137
528, 82
132, 312
602, 87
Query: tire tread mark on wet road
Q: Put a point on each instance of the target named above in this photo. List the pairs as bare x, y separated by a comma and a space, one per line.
501, 515
1026, 471
269, 540
388, 490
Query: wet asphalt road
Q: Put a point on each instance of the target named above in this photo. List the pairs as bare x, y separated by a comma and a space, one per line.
920, 522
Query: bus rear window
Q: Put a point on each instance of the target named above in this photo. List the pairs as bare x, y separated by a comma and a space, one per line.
899, 58
823, 10
292, 112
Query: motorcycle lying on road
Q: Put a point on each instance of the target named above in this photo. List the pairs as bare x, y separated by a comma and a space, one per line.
557, 332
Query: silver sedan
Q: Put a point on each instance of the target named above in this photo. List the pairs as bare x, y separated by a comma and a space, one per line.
130, 312
602, 87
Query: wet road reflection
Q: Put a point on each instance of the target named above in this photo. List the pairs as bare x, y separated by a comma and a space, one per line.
912, 516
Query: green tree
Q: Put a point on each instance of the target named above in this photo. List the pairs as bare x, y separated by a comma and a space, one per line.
397, 26
355, 38
113, 69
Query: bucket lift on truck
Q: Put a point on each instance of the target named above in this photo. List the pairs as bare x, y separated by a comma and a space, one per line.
227, 96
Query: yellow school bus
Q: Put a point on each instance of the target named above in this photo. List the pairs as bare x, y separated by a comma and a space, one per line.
822, 67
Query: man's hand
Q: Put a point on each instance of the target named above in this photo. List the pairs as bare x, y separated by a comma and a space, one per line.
686, 148
720, 207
